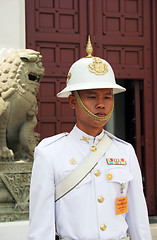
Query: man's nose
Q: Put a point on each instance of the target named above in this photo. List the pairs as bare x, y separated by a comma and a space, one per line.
100, 106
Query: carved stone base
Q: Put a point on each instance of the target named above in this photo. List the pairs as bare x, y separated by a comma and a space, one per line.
14, 190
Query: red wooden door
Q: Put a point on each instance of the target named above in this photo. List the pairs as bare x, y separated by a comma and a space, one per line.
121, 33
53, 28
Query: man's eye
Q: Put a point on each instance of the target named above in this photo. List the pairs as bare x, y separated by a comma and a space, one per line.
92, 97
108, 97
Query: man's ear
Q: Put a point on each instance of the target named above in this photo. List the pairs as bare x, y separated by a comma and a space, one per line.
72, 101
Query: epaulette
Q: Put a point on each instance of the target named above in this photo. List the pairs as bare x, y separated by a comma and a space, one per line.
116, 138
47, 141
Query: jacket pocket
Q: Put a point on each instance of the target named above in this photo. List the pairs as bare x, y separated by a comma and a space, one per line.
119, 175
119, 179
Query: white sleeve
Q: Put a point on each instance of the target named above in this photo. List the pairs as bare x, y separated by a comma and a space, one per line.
42, 217
137, 216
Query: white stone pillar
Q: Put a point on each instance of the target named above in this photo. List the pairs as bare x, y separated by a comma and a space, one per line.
12, 36
12, 26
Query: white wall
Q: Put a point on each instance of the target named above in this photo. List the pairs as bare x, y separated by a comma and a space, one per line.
12, 36
12, 26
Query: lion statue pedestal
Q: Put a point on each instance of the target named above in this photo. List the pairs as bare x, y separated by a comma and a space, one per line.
14, 190
20, 74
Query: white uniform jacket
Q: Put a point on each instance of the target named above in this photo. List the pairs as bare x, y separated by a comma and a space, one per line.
89, 210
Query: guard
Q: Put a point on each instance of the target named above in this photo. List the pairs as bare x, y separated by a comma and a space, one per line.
86, 184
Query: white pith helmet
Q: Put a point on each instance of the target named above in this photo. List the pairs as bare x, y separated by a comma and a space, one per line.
90, 73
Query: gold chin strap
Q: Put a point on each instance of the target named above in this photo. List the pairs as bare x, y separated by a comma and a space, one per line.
89, 113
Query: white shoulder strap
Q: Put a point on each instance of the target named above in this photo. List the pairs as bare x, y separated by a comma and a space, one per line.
80, 172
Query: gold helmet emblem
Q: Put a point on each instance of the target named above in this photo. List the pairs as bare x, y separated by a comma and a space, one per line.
98, 67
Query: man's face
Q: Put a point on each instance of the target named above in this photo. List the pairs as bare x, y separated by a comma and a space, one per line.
97, 101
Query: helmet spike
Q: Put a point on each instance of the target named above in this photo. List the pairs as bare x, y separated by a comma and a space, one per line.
89, 48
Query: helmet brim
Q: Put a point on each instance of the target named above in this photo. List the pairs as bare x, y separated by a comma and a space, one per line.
69, 89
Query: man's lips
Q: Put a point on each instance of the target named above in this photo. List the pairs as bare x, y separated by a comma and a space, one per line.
100, 114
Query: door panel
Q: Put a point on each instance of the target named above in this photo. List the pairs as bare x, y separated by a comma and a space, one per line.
53, 29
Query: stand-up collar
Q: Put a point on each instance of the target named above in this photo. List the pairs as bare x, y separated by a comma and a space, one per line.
83, 137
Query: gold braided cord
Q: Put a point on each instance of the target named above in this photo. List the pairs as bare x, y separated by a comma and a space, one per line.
89, 113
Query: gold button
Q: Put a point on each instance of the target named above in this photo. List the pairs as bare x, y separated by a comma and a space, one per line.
103, 227
93, 148
73, 161
100, 199
97, 173
109, 176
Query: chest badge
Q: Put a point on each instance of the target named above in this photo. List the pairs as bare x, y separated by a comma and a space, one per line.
116, 161
121, 205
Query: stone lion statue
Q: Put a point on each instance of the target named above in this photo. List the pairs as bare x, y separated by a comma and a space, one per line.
20, 74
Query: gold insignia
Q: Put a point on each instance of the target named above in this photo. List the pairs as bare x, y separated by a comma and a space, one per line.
68, 77
98, 67
85, 139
